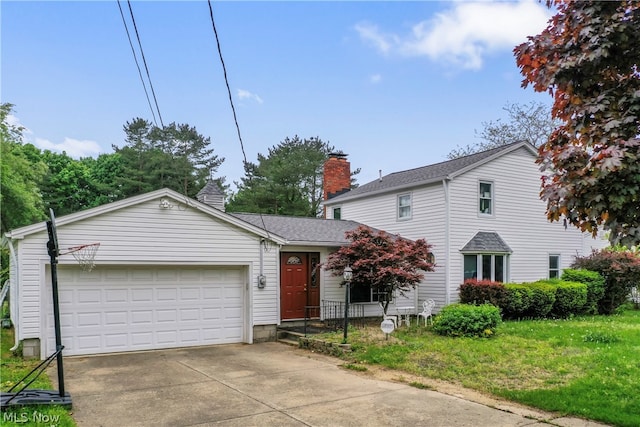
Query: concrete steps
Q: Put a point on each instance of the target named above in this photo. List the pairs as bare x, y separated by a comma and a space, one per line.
289, 337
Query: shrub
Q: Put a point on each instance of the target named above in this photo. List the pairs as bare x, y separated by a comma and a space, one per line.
467, 320
474, 291
517, 300
595, 286
543, 296
570, 298
621, 272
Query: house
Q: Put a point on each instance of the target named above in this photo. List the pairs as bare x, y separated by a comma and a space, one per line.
170, 272
482, 213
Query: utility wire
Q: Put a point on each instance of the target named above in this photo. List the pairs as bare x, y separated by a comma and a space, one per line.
135, 58
226, 80
153, 92
233, 109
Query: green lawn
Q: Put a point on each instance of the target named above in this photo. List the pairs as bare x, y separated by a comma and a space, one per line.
12, 369
587, 366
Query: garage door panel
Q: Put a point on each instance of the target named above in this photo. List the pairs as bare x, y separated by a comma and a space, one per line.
115, 295
130, 308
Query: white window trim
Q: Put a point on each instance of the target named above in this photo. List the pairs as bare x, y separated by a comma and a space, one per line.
493, 198
505, 265
549, 264
404, 218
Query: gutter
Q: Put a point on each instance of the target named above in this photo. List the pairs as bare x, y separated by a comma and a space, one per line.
447, 244
14, 291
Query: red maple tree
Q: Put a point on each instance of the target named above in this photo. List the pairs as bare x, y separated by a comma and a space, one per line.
587, 59
386, 262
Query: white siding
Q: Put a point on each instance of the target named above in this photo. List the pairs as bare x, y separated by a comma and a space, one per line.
146, 234
519, 218
427, 222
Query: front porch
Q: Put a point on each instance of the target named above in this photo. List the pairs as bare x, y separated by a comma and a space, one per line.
327, 317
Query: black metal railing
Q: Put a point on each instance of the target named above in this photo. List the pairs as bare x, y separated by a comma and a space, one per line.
333, 314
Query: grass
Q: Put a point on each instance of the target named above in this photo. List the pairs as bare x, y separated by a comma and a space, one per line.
12, 370
587, 367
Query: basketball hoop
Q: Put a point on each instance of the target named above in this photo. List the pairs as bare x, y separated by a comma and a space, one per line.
84, 254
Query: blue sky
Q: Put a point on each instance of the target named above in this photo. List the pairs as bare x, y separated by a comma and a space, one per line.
396, 85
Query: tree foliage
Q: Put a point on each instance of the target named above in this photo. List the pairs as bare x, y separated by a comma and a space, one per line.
621, 272
587, 59
287, 181
531, 122
383, 261
68, 185
175, 156
20, 177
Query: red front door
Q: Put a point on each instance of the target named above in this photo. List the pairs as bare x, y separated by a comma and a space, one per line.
299, 284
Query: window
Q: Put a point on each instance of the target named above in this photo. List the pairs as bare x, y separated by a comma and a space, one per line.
554, 266
404, 206
486, 267
336, 213
486, 198
362, 293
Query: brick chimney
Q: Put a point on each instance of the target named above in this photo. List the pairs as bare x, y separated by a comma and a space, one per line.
337, 176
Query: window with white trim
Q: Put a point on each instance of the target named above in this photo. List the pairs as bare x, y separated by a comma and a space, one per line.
554, 266
485, 198
492, 267
404, 206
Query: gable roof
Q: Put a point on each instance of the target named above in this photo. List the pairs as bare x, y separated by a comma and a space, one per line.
429, 174
485, 241
303, 230
165, 193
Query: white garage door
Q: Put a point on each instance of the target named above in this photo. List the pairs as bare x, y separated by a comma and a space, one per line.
112, 309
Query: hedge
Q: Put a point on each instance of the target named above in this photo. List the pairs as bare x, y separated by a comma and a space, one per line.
557, 298
474, 291
595, 287
571, 298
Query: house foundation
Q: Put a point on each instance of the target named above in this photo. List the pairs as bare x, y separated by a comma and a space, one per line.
31, 348
264, 333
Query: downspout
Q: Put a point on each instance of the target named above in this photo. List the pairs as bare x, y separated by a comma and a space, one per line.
14, 292
447, 244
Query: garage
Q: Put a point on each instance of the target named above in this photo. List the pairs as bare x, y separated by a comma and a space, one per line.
130, 308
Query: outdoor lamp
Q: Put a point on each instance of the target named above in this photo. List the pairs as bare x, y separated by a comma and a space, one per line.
347, 274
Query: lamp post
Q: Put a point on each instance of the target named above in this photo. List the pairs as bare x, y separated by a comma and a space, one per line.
347, 275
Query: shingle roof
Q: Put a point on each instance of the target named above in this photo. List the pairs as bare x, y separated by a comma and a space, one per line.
302, 230
210, 189
426, 174
485, 241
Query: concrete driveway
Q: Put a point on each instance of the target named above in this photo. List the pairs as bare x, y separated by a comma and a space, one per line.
268, 384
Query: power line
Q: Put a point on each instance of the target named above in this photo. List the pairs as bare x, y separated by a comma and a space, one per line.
153, 92
135, 58
226, 80
233, 109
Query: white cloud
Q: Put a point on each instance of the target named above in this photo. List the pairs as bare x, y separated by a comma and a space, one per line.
464, 34
375, 78
371, 34
73, 147
245, 94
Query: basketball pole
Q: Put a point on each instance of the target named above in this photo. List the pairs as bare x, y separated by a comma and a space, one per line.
53, 254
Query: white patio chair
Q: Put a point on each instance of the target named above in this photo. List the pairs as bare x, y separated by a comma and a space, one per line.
386, 316
427, 311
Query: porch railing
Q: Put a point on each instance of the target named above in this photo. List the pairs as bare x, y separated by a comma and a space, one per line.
333, 314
